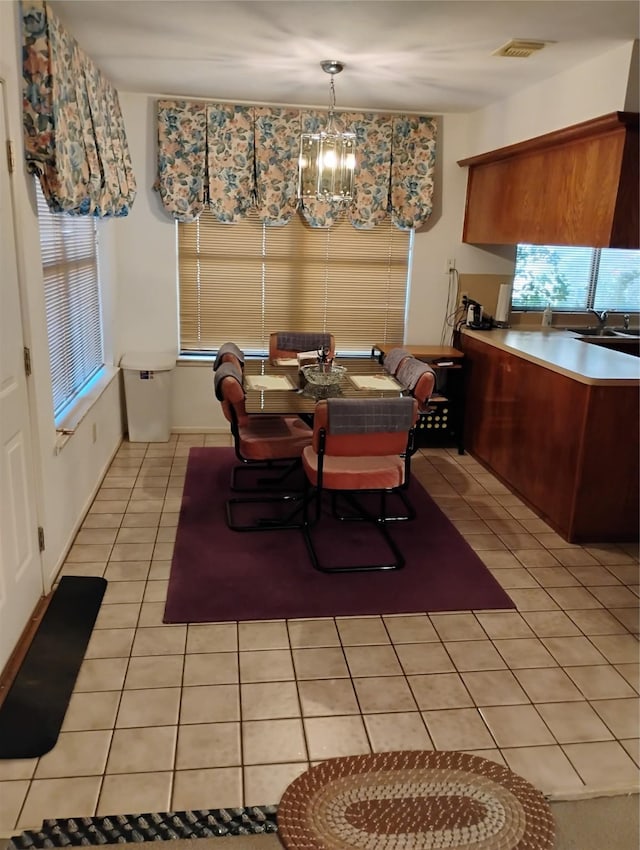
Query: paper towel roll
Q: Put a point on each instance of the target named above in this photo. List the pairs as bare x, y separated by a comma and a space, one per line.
504, 304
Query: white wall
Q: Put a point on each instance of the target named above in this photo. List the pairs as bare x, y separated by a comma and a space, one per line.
67, 478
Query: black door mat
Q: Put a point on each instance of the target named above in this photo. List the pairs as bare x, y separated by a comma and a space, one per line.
34, 708
123, 829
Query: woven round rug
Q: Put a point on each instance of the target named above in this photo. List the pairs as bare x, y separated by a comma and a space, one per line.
413, 800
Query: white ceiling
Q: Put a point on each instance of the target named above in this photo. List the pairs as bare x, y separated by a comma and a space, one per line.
408, 55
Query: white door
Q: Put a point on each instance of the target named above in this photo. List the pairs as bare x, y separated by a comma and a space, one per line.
20, 565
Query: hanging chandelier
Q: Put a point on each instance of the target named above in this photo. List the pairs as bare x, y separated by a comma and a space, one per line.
327, 159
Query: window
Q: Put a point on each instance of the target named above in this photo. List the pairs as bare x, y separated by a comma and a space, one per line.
576, 279
239, 282
72, 301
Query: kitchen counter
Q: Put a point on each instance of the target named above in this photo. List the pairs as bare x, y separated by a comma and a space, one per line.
566, 353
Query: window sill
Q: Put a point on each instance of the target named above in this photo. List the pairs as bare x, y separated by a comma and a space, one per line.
68, 424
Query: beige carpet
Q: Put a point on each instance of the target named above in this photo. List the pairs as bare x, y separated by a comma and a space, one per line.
603, 823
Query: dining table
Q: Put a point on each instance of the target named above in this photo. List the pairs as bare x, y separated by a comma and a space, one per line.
276, 388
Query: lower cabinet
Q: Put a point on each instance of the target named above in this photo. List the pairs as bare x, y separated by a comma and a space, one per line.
569, 449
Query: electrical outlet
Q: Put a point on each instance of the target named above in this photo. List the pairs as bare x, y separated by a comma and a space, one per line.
451, 264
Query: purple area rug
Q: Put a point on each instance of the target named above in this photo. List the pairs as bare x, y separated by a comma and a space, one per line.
218, 574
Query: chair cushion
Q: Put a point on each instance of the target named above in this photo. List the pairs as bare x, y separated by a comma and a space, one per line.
355, 473
263, 437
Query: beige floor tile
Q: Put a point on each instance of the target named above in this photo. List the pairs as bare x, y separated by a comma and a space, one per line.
516, 726
358, 631
163, 640
600, 682
632, 746
102, 520
615, 597
540, 563
324, 697
548, 684
144, 534
110, 643
494, 687
372, 660
149, 519
156, 591
76, 754
264, 784
127, 571
553, 576
629, 617
410, 629
522, 653
492, 754
263, 635
101, 674
597, 622
269, 700
474, 655
631, 674
151, 614
498, 559
123, 591
211, 668
326, 663
515, 578
313, 633
210, 704
504, 624
17, 768
457, 627
332, 737
529, 599
154, 671
208, 745
618, 649
458, 729
573, 722
81, 553
91, 711
424, 658
208, 788
130, 793
622, 716
546, 768
594, 576
439, 690
272, 741
212, 637
148, 707
12, 795
578, 598
384, 694
575, 556
266, 665
120, 616
96, 535
142, 750
573, 651
625, 572
59, 798
397, 731
603, 765
550, 623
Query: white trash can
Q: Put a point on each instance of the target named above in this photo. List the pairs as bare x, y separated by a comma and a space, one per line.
147, 387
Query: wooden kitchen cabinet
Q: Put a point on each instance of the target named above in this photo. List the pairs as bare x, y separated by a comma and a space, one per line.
569, 449
576, 186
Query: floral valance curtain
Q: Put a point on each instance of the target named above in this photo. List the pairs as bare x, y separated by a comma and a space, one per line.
73, 129
233, 159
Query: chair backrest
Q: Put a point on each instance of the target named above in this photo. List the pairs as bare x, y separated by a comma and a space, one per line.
394, 358
364, 427
289, 343
229, 391
418, 377
229, 353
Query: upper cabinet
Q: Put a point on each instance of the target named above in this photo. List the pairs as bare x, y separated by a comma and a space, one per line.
576, 186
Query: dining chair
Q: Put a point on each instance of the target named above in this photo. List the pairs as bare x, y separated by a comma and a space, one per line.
359, 447
261, 441
229, 352
393, 358
286, 344
417, 377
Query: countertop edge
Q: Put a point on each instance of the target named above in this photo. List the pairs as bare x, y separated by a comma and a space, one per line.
523, 343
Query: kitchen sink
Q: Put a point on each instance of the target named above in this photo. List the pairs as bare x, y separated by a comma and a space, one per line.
593, 331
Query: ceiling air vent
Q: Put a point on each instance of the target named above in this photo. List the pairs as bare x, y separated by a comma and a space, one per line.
519, 48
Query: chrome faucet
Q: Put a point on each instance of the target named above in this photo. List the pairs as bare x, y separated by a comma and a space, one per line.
602, 317
627, 319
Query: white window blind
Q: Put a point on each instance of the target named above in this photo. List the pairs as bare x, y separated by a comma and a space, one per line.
72, 300
240, 282
576, 279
